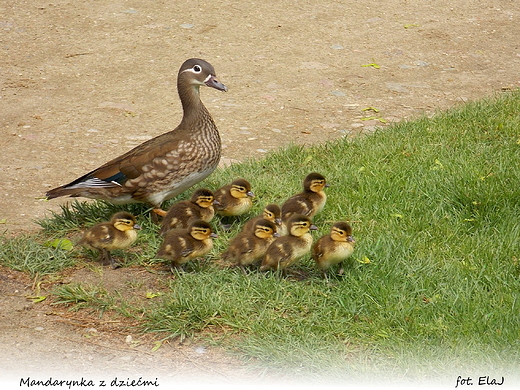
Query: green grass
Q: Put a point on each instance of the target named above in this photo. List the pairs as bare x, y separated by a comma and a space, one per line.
435, 205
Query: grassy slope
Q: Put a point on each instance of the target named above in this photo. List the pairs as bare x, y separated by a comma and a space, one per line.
434, 282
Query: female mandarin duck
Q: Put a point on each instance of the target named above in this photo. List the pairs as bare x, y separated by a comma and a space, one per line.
182, 245
333, 248
249, 246
180, 214
166, 165
286, 250
119, 233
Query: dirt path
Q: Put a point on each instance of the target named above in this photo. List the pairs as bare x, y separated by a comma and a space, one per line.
82, 82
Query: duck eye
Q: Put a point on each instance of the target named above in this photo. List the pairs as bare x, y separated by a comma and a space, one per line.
197, 69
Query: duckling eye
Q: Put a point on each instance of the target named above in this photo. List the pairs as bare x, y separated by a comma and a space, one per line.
197, 69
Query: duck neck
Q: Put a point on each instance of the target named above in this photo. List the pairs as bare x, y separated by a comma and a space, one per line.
192, 106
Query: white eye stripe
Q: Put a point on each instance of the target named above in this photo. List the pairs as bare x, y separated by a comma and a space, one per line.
198, 70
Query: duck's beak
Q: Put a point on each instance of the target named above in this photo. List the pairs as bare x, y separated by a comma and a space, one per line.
137, 227
351, 239
213, 235
250, 194
212, 82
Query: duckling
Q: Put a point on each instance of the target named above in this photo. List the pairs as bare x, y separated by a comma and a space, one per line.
309, 202
119, 233
333, 248
180, 214
272, 212
285, 251
234, 199
182, 245
250, 245
166, 165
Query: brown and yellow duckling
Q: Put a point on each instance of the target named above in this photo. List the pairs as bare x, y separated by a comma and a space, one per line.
234, 199
180, 214
285, 251
309, 202
119, 233
166, 165
334, 248
271, 212
182, 245
250, 245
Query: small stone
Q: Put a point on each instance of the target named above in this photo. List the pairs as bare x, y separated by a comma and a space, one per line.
337, 47
187, 25
39, 328
128, 339
338, 93
396, 87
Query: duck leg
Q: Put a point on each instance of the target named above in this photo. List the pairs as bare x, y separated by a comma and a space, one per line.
107, 259
176, 268
341, 270
160, 212
157, 212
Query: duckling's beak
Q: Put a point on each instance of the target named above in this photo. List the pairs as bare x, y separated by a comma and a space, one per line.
313, 227
216, 202
250, 194
351, 239
137, 227
212, 82
327, 185
278, 221
213, 235
276, 234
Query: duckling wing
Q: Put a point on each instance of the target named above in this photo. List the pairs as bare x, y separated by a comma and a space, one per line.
98, 236
297, 205
280, 251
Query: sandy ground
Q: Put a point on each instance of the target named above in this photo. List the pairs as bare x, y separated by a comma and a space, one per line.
82, 82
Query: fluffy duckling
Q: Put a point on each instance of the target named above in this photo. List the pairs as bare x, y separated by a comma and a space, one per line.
286, 250
310, 201
182, 245
333, 248
250, 245
180, 214
118, 233
234, 199
272, 212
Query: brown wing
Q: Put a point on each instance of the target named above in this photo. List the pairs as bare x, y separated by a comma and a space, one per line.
117, 171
